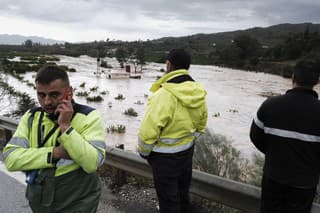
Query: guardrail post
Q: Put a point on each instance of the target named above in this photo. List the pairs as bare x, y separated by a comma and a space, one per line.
120, 175
5, 136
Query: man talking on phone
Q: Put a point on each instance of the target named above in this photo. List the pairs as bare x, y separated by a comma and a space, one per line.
59, 146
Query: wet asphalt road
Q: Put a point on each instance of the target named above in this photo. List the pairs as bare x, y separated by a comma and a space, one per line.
12, 195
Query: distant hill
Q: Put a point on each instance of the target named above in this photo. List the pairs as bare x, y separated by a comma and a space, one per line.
19, 39
265, 35
202, 45
212, 48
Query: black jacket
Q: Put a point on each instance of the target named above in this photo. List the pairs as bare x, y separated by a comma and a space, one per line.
287, 130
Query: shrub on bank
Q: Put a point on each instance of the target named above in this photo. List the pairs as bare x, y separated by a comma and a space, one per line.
95, 99
131, 112
116, 129
93, 89
82, 94
120, 97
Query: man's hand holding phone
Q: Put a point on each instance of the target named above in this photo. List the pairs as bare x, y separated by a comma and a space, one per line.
65, 110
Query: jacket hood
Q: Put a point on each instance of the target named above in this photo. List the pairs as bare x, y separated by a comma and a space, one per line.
189, 93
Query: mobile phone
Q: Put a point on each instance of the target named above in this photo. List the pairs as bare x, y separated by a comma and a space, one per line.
67, 93
65, 96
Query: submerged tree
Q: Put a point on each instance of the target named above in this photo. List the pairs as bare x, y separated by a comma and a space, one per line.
214, 154
25, 102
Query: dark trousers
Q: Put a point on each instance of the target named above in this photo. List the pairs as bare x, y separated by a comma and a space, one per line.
172, 176
281, 198
74, 192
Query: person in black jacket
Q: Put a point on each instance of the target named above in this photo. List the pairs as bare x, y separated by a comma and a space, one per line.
287, 130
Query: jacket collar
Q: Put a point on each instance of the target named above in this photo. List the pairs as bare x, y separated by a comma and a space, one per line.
304, 91
156, 85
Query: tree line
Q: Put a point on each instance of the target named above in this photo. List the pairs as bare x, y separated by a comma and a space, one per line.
241, 51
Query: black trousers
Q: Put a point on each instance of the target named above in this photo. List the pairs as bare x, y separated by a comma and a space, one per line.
172, 176
281, 198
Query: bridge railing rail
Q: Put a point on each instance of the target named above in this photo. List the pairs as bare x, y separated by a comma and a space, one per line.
231, 193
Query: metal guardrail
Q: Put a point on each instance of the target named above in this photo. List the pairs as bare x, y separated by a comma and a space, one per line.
231, 193
8, 123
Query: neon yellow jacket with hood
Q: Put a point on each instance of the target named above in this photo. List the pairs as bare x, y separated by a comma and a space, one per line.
84, 142
176, 114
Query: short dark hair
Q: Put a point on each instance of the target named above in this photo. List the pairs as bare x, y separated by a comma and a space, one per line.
306, 72
49, 73
179, 58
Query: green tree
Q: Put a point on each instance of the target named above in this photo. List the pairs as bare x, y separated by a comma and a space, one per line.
229, 56
249, 46
130, 51
293, 47
28, 43
121, 56
257, 169
101, 51
141, 57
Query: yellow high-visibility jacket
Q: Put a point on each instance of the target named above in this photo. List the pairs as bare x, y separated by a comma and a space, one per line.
84, 142
176, 114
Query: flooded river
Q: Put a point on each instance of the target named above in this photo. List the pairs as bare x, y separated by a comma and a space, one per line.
233, 97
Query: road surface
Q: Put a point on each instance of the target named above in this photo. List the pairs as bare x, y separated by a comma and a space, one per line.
12, 195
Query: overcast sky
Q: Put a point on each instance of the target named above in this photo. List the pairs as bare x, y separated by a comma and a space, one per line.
88, 20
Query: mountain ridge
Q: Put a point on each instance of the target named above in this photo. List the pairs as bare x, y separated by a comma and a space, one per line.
266, 35
16, 39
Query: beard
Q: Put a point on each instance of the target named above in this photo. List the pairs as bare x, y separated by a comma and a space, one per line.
50, 109
51, 112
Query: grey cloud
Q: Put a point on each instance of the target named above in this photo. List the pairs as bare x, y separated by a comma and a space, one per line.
187, 10
185, 17
56, 11
288, 11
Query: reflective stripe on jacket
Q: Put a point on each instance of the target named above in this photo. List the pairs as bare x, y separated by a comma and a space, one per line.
286, 130
176, 114
84, 143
